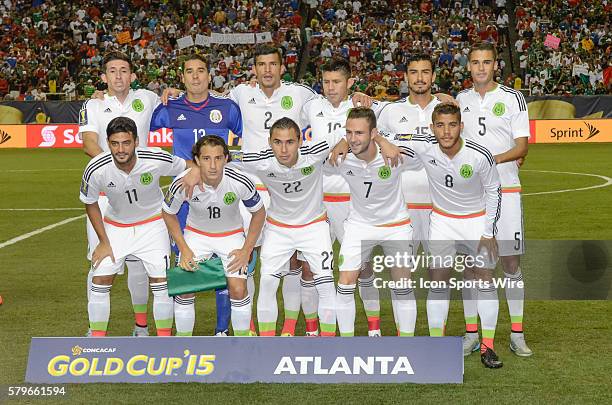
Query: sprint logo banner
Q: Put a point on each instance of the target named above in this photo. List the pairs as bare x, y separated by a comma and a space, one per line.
245, 360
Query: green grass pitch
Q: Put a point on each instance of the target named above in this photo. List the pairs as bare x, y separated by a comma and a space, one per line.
43, 285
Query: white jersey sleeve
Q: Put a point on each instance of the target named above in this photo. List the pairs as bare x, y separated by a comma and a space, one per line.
174, 197
90, 182
247, 192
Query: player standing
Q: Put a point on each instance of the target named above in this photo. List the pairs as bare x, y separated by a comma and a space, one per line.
496, 116
94, 117
132, 225
191, 116
214, 226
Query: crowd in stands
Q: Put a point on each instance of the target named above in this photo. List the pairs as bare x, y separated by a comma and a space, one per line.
582, 63
57, 46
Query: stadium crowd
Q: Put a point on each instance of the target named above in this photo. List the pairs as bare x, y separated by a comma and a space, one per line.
58, 46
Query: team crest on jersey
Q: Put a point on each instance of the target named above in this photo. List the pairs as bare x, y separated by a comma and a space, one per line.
146, 178
384, 172
216, 116
307, 170
229, 198
466, 171
138, 105
499, 109
286, 102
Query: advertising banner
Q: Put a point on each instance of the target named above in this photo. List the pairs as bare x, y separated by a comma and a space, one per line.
573, 131
12, 136
246, 360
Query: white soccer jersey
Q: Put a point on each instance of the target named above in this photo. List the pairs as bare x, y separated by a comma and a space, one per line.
215, 211
259, 112
495, 121
134, 197
465, 186
324, 120
376, 196
296, 193
139, 106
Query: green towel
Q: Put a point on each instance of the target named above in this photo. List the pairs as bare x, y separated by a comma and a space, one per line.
209, 276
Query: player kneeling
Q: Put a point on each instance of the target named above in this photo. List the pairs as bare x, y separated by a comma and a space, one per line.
132, 224
214, 226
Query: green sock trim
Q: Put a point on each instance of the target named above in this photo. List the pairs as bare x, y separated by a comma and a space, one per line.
163, 323
267, 326
184, 333
347, 334
375, 314
242, 332
291, 314
314, 315
516, 319
471, 319
98, 325
406, 333
328, 327
488, 334
140, 308
435, 332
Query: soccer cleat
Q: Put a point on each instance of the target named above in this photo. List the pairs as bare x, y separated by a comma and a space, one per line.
222, 333
518, 345
374, 333
312, 334
140, 331
490, 359
471, 343
88, 334
287, 334
252, 333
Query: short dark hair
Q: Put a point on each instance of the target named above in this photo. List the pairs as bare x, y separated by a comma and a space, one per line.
210, 140
193, 56
363, 112
337, 64
483, 46
417, 57
446, 109
116, 55
122, 124
264, 49
286, 123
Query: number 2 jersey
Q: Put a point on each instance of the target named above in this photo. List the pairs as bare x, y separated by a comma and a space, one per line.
135, 197
217, 115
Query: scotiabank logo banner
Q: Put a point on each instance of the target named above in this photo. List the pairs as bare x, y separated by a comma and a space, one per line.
573, 131
67, 136
54, 136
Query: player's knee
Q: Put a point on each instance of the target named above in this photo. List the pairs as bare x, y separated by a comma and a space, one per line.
348, 277
186, 296
103, 280
294, 263
366, 271
307, 275
157, 279
238, 291
510, 264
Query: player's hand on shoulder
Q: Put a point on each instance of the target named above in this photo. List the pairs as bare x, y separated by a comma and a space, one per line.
362, 100
240, 260
391, 153
101, 251
169, 92
188, 261
189, 182
445, 98
97, 95
339, 153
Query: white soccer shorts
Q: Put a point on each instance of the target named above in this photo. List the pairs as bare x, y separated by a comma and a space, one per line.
415, 189
246, 214
337, 213
510, 231
204, 246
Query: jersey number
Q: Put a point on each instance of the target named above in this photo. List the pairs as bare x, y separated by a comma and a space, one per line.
448, 180
294, 187
328, 260
198, 133
214, 212
483, 128
369, 184
332, 126
129, 196
267, 121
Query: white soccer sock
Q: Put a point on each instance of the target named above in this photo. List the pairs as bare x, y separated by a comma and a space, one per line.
251, 285
345, 309
267, 308
241, 316
310, 297
138, 282
184, 315
89, 281
437, 310
516, 299
327, 304
292, 295
370, 297
470, 307
163, 308
405, 305
98, 308
488, 309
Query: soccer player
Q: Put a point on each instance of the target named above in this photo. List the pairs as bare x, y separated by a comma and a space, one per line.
377, 216
466, 194
296, 220
191, 116
496, 117
214, 226
94, 117
131, 226
324, 116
